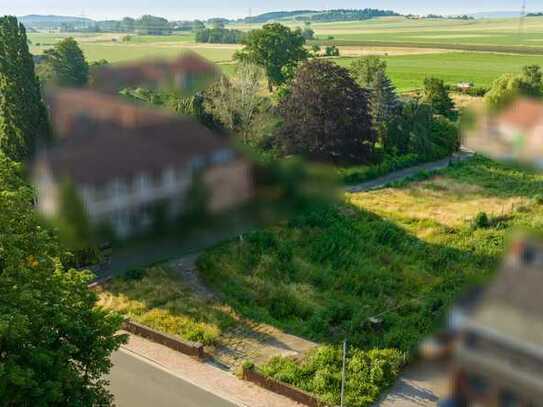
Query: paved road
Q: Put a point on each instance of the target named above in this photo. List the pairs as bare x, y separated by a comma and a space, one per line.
136, 382
409, 172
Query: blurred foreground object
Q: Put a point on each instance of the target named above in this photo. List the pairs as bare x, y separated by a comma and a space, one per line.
129, 162
514, 134
187, 74
120, 170
498, 360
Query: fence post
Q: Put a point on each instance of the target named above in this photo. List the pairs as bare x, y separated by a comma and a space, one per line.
343, 372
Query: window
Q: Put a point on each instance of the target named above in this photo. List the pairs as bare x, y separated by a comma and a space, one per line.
142, 182
478, 384
508, 399
197, 163
222, 156
168, 177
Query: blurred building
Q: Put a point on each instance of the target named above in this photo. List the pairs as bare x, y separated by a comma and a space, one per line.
516, 133
126, 160
498, 360
187, 74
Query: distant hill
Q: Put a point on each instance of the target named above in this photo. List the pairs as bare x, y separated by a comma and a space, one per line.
496, 14
278, 15
321, 16
51, 22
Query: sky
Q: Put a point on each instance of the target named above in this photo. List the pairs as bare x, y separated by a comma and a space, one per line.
191, 9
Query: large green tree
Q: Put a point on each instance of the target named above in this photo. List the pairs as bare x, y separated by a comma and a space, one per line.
276, 48
55, 344
532, 81
236, 101
508, 87
365, 69
436, 94
23, 116
416, 130
326, 115
65, 65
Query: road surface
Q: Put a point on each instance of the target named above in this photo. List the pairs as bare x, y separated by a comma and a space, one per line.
400, 175
136, 382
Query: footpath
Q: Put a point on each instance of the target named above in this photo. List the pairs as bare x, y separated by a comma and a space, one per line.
400, 175
206, 376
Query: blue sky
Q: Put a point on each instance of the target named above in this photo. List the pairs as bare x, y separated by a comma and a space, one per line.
189, 9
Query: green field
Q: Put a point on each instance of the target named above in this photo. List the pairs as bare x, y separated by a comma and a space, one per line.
408, 71
112, 48
419, 41
497, 34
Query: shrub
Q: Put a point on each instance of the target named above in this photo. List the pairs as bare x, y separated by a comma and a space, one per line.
331, 51
481, 221
356, 174
135, 274
368, 373
477, 91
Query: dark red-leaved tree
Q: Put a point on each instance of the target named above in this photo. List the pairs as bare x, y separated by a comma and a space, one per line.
325, 115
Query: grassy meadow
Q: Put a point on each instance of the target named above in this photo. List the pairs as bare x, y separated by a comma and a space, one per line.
381, 269
413, 49
399, 254
112, 48
494, 33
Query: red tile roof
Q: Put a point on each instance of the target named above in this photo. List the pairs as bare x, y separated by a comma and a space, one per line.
524, 114
103, 138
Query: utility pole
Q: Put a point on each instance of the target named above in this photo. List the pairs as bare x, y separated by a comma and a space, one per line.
522, 18
343, 372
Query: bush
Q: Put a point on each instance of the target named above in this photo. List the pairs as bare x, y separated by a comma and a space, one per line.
368, 373
331, 51
477, 91
361, 173
135, 274
481, 221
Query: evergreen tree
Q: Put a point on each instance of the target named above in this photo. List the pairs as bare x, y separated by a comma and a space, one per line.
65, 64
365, 68
384, 106
435, 94
23, 116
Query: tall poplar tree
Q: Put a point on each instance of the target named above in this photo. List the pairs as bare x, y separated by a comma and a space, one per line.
23, 116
